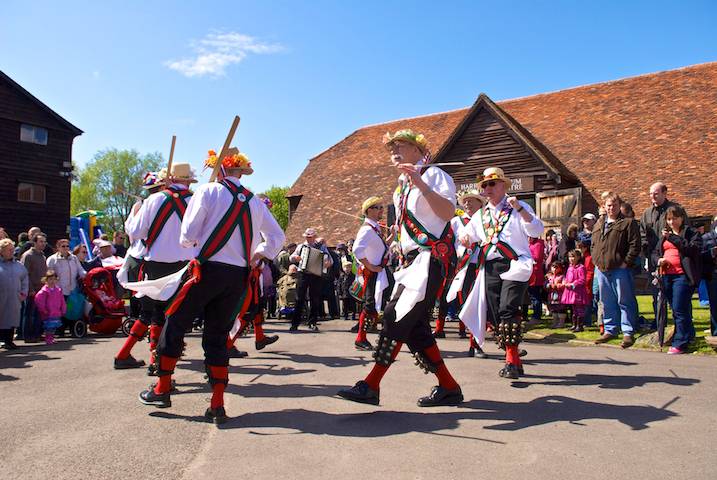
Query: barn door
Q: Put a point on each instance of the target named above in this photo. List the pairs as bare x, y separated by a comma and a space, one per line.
559, 208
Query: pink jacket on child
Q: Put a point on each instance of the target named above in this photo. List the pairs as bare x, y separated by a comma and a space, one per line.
50, 302
577, 294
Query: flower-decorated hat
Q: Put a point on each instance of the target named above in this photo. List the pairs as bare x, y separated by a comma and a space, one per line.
152, 180
267, 201
493, 173
471, 193
234, 163
406, 135
368, 203
182, 172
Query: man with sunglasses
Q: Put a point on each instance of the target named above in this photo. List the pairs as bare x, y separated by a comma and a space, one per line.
502, 229
425, 203
371, 251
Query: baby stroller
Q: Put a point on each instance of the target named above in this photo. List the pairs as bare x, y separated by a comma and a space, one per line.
108, 310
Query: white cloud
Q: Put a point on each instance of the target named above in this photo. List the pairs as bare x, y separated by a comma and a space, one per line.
215, 52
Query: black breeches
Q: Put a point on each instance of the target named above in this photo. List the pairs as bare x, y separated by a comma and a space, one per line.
504, 297
152, 311
216, 297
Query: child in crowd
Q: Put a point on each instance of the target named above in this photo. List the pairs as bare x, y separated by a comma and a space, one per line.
51, 305
346, 278
554, 287
574, 292
590, 307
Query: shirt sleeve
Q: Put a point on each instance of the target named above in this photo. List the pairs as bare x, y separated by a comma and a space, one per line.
472, 228
533, 228
441, 183
270, 230
360, 244
137, 226
194, 217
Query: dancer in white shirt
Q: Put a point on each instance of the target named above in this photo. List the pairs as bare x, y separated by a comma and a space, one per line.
227, 222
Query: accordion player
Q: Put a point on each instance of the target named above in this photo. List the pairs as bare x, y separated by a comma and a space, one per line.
312, 260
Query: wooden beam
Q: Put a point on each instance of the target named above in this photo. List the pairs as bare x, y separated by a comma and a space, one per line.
225, 148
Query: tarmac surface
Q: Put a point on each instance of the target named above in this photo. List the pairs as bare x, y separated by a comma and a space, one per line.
579, 412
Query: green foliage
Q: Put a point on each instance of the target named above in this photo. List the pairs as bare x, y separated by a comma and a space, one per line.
100, 184
280, 210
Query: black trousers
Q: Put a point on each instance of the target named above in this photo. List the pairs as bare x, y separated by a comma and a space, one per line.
369, 297
135, 305
504, 297
152, 311
216, 298
311, 284
414, 329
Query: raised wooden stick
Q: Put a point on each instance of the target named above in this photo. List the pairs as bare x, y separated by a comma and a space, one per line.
354, 216
225, 148
171, 156
123, 192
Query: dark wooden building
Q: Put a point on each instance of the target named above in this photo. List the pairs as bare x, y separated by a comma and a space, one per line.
36, 163
561, 150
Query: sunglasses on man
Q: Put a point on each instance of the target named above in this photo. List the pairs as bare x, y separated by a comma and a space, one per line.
376, 207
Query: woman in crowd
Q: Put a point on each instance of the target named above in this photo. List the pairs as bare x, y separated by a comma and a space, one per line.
568, 243
80, 252
551, 248
13, 290
536, 284
66, 266
679, 265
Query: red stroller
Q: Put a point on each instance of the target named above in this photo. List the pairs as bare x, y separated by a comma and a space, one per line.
108, 309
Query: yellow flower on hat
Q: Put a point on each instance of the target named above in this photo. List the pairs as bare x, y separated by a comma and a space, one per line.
406, 135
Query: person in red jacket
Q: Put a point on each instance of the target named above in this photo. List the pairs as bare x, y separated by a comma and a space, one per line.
536, 284
584, 247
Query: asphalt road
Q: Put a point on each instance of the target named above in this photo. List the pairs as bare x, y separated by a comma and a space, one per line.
589, 413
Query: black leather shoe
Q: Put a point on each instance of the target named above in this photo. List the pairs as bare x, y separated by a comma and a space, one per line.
172, 387
521, 370
441, 396
129, 362
522, 352
471, 352
294, 328
360, 393
151, 370
148, 397
363, 345
437, 334
480, 353
216, 415
355, 328
313, 327
509, 371
266, 341
234, 352
9, 346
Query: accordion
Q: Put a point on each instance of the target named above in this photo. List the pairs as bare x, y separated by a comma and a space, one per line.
312, 260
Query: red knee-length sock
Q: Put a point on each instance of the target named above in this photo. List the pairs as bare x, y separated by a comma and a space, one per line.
242, 326
472, 341
440, 323
361, 335
135, 334
461, 326
219, 373
511, 355
164, 382
378, 371
445, 379
155, 331
258, 328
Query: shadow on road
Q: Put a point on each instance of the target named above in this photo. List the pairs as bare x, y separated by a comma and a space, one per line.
510, 416
617, 382
27, 354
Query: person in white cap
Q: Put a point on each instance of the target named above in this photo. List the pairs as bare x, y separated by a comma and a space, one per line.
308, 282
585, 235
505, 264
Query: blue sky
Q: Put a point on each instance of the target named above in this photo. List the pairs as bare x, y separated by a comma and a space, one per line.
303, 75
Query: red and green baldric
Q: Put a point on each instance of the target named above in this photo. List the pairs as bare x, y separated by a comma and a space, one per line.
238, 215
175, 201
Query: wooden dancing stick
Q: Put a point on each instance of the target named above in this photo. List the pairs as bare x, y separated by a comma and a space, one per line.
123, 192
354, 216
171, 156
225, 148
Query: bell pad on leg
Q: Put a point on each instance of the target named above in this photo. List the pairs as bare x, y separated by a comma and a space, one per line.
214, 380
384, 350
509, 333
425, 363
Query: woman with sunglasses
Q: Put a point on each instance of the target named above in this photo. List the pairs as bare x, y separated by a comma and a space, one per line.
67, 267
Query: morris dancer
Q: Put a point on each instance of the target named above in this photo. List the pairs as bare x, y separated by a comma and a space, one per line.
464, 280
371, 251
505, 264
228, 221
156, 225
425, 204
130, 271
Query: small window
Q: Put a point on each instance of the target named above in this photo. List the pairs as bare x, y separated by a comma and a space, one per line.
31, 134
27, 192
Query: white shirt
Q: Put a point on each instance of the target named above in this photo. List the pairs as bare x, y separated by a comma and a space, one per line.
369, 244
515, 232
68, 270
441, 183
166, 247
207, 207
136, 248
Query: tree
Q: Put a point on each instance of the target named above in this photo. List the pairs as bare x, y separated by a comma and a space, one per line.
280, 208
100, 184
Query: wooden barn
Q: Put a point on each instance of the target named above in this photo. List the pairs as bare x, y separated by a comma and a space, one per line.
561, 150
36, 163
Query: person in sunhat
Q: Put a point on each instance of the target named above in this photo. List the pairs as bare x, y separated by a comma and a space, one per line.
228, 231
152, 183
502, 229
157, 224
307, 282
471, 201
371, 252
425, 203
